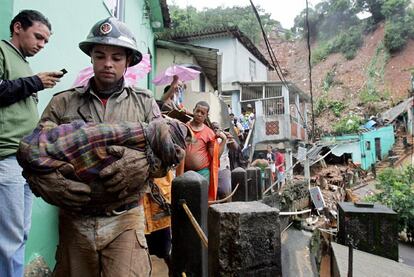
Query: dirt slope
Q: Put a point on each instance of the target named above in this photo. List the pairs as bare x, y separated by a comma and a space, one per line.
390, 75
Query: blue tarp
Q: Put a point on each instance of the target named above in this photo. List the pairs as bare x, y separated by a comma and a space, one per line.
370, 124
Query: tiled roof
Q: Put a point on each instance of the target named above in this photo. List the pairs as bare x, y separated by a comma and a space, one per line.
165, 13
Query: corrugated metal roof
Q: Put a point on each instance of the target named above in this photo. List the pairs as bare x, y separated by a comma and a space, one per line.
206, 57
222, 32
394, 112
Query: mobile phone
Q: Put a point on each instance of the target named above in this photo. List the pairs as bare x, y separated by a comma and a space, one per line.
64, 71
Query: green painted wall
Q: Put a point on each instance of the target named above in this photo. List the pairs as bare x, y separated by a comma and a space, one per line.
71, 22
387, 139
6, 15
138, 20
366, 156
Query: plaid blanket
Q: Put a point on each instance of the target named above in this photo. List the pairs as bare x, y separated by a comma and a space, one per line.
79, 143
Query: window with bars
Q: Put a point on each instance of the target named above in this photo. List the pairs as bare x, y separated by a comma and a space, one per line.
273, 91
251, 93
273, 106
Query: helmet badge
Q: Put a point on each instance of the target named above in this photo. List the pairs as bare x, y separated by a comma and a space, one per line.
105, 28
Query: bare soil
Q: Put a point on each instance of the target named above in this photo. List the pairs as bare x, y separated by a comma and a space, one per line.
350, 75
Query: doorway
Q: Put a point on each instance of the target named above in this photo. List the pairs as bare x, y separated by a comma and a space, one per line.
378, 148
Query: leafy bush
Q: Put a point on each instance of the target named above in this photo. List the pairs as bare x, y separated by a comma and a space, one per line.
288, 35
337, 107
328, 80
397, 192
324, 103
348, 125
394, 8
346, 42
321, 105
350, 41
369, 95
321, 52
395, 35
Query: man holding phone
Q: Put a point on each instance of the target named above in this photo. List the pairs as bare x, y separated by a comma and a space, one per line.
30, 31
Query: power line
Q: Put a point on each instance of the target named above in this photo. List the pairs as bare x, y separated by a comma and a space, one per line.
310, 72
272, 56
275, 63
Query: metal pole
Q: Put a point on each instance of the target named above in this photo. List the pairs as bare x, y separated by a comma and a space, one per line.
350, 258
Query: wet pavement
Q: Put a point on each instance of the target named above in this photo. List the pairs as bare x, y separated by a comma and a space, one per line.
406, 254
296, 258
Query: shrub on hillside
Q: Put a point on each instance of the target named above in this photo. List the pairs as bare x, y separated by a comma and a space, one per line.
397, 192
350, 41
321, 105
394, 8
395, 35
347, 125
321, 52
347, 42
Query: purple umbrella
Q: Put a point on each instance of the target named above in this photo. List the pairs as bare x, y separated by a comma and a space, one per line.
183, 73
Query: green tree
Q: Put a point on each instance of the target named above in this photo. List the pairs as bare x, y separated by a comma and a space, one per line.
397, 192
394, 8
395, 35
192, 20
314, 19
372, 6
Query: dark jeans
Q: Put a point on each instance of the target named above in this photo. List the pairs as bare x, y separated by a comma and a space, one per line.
159, 243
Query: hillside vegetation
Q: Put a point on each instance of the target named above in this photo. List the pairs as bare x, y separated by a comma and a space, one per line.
360, 67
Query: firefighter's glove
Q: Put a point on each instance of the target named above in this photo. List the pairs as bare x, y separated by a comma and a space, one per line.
59, 188
128, 175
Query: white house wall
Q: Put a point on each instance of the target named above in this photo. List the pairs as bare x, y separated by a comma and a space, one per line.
243, 65
235, 61
166, 58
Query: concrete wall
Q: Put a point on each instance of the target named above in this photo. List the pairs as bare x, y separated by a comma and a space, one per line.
168, 57
235, 61
386, 136
352, 148
243, 72
360, 151
218, 109
71, 22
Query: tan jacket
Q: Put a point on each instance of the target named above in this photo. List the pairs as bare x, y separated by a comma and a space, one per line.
129, 104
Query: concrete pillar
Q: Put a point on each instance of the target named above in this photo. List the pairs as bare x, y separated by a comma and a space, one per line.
286, 121
373, 229
244, 240
267, 178
252, 188
239, 176
259, 184
298, 115
188, 253
307, 171
289, 163
305, 116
